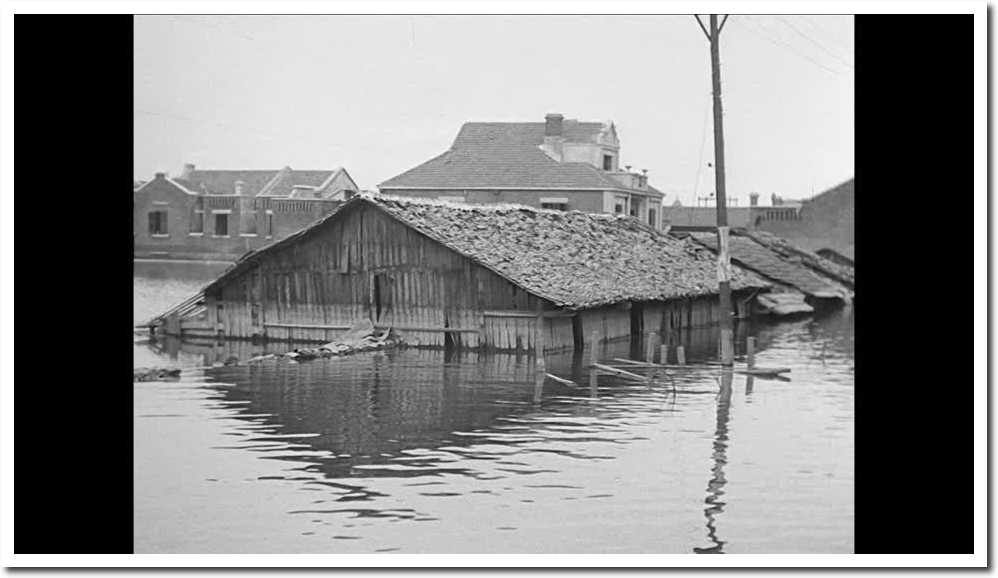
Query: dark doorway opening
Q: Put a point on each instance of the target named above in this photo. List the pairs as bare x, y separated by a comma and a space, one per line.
637, 319
378, 283
577, 335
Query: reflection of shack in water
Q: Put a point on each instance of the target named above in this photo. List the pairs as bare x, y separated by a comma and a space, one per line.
368, 409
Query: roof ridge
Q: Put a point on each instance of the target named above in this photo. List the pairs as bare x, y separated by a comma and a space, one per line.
272, 183
420, 165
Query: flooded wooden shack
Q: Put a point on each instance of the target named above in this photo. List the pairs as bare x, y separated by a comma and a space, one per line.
480, 277
802, 280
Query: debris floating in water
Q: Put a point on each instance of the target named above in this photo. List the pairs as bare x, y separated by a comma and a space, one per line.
361, 337
155, 374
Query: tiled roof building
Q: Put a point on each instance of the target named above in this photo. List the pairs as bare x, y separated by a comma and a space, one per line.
221, 214
285, 182
559, 164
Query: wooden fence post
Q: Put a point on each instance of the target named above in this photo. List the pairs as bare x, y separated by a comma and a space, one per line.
539, 339
593, 340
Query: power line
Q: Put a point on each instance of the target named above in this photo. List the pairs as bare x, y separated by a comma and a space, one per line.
828, 36
783, 44
812, 41
703, 140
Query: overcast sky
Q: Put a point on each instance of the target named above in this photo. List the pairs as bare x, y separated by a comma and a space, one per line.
381, 94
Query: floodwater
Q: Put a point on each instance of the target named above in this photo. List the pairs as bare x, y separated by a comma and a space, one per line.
421, 452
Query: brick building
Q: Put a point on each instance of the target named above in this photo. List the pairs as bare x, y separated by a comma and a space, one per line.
824, 224
556, 164
222, 214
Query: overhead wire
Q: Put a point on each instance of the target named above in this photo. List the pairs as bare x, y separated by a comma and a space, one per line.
787, 46
703, 141
814, 42
828, 36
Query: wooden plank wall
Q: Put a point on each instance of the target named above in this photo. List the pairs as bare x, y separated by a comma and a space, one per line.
316, 289
611, 323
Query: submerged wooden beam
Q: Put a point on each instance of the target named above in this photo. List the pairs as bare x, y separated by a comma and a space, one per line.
636, 363
345, 327
619, 372
561, 380
764, 370
527, 314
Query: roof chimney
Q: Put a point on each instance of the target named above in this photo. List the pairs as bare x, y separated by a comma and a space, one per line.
753, 199
160, 176
188, 169
239, 187
552, 124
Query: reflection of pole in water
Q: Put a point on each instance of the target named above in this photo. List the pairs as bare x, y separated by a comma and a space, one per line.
715, 488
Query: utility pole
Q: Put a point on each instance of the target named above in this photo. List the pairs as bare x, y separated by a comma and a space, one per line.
723, 258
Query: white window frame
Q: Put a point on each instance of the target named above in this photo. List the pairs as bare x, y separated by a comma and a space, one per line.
228, 225
626, 202
165, 235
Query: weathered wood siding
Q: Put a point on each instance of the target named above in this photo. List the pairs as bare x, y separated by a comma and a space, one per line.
367, 265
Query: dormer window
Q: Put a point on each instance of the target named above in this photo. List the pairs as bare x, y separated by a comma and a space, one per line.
607, 162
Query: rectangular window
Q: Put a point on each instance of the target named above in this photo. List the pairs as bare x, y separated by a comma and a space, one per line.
607, 163
555, 206
248, 223
221, 224
157, 224
620, 205
197, 222
270, 224
651, 217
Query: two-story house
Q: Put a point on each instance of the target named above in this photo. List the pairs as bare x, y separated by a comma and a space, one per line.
560, 164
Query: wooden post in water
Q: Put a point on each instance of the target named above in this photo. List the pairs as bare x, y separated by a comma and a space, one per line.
539, 339
593, 339
650, 348
750, 351
681, 355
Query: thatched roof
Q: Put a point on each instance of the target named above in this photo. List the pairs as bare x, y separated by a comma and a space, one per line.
573, 259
